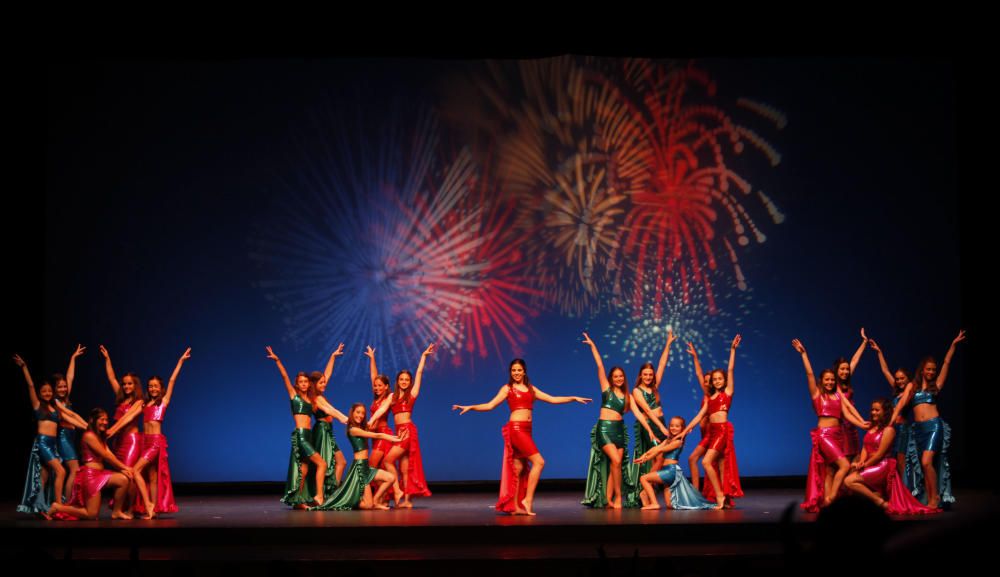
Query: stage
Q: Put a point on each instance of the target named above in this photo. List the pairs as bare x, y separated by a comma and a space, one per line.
463, 530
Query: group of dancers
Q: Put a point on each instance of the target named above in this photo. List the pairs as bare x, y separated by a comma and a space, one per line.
67, 473
900, 466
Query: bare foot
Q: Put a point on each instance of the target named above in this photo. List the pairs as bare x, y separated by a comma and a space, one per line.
651, 506
121, 515
527, 507
616, 505
719, 505
300, 507
381, 507
404, 505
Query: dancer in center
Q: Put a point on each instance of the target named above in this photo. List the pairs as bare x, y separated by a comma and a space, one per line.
646, 396
522, 463
608, 440
407, 450
678, 493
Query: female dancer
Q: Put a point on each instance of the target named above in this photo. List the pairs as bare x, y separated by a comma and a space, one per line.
356, 492
323, 439
522, 463
873, 474
898, 381
607, 439
843, 371
40, 491
154, 444
93, 477
381, 394
67, 430
827, 465
931, 434
677, 492
646, 396
129, 403
716, 405
702, 446
406, 451
297, 494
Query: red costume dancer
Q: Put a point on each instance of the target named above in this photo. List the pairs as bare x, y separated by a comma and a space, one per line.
723, 479
522, 463
844, 370
410, 473
129, 399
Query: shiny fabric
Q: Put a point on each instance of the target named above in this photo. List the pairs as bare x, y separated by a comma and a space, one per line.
129, 447
67, 444
48, 448
414, 483
683, 495
517, 444
721, 402
827, 448
827, 405
932, 433
43, 415
644, 443
34, 497
301, 406
610, 400
153, 412
611, 432
348, 495
381, 426
729, 477
89, 482
599, 467
298, 490
520, 399
883, 479
154, 450
924, 397
404, 404
326, 445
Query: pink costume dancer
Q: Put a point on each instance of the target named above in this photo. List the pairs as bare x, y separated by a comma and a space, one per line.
882, 478
154, 450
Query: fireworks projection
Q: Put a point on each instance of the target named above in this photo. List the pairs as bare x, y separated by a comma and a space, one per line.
382, 242
604, 188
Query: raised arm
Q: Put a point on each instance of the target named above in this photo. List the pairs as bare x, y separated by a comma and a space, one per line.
697, 368
326, 407
284, 373
882, 363
601, 377
173, 376
947, 359
127, 418
67, 414
110, 370
732, 362
483, 407
71, 369
370, 353
810, 377
420, 370
860, 351
329, 364
662, 366
558, 400
904, 400
31, 385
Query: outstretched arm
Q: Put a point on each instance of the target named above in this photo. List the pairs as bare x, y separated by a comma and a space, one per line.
860, 351
697, 418
329, 409
284, 373
851, 414
127, 418
732, 362
110, 370
31, 385
904, 400
697, 368
558, 400
67, 414
370, 353
638, 400
482, 407
601, 377
882, 363
947, 359
173, 376
810, 377
329, 364
662, 366
71, 369
420, 370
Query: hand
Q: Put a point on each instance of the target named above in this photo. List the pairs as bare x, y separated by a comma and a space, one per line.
370, 352
186, 355
129, 472
863, 337
429, 351
670, 337
587, 341
797, 345
874, 346
402, 436
339, 351
582, 400
104, 351
463, 408
19, 361
866, 425
79, 350
271, 355
959, 338
736, 341
691, 350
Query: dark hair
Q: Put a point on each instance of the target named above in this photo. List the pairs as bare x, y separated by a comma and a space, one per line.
886, 411
350, 416
137, 393
149, 399
388, 387
624, 385
822, 390
655, 384
521, 362
95, 414
909, 379
400, 393
845, 384
918, 376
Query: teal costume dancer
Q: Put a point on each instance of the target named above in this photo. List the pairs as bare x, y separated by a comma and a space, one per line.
682, 493
348, 495
326, 445
297, 490
598, 467
642, 441
35, 498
